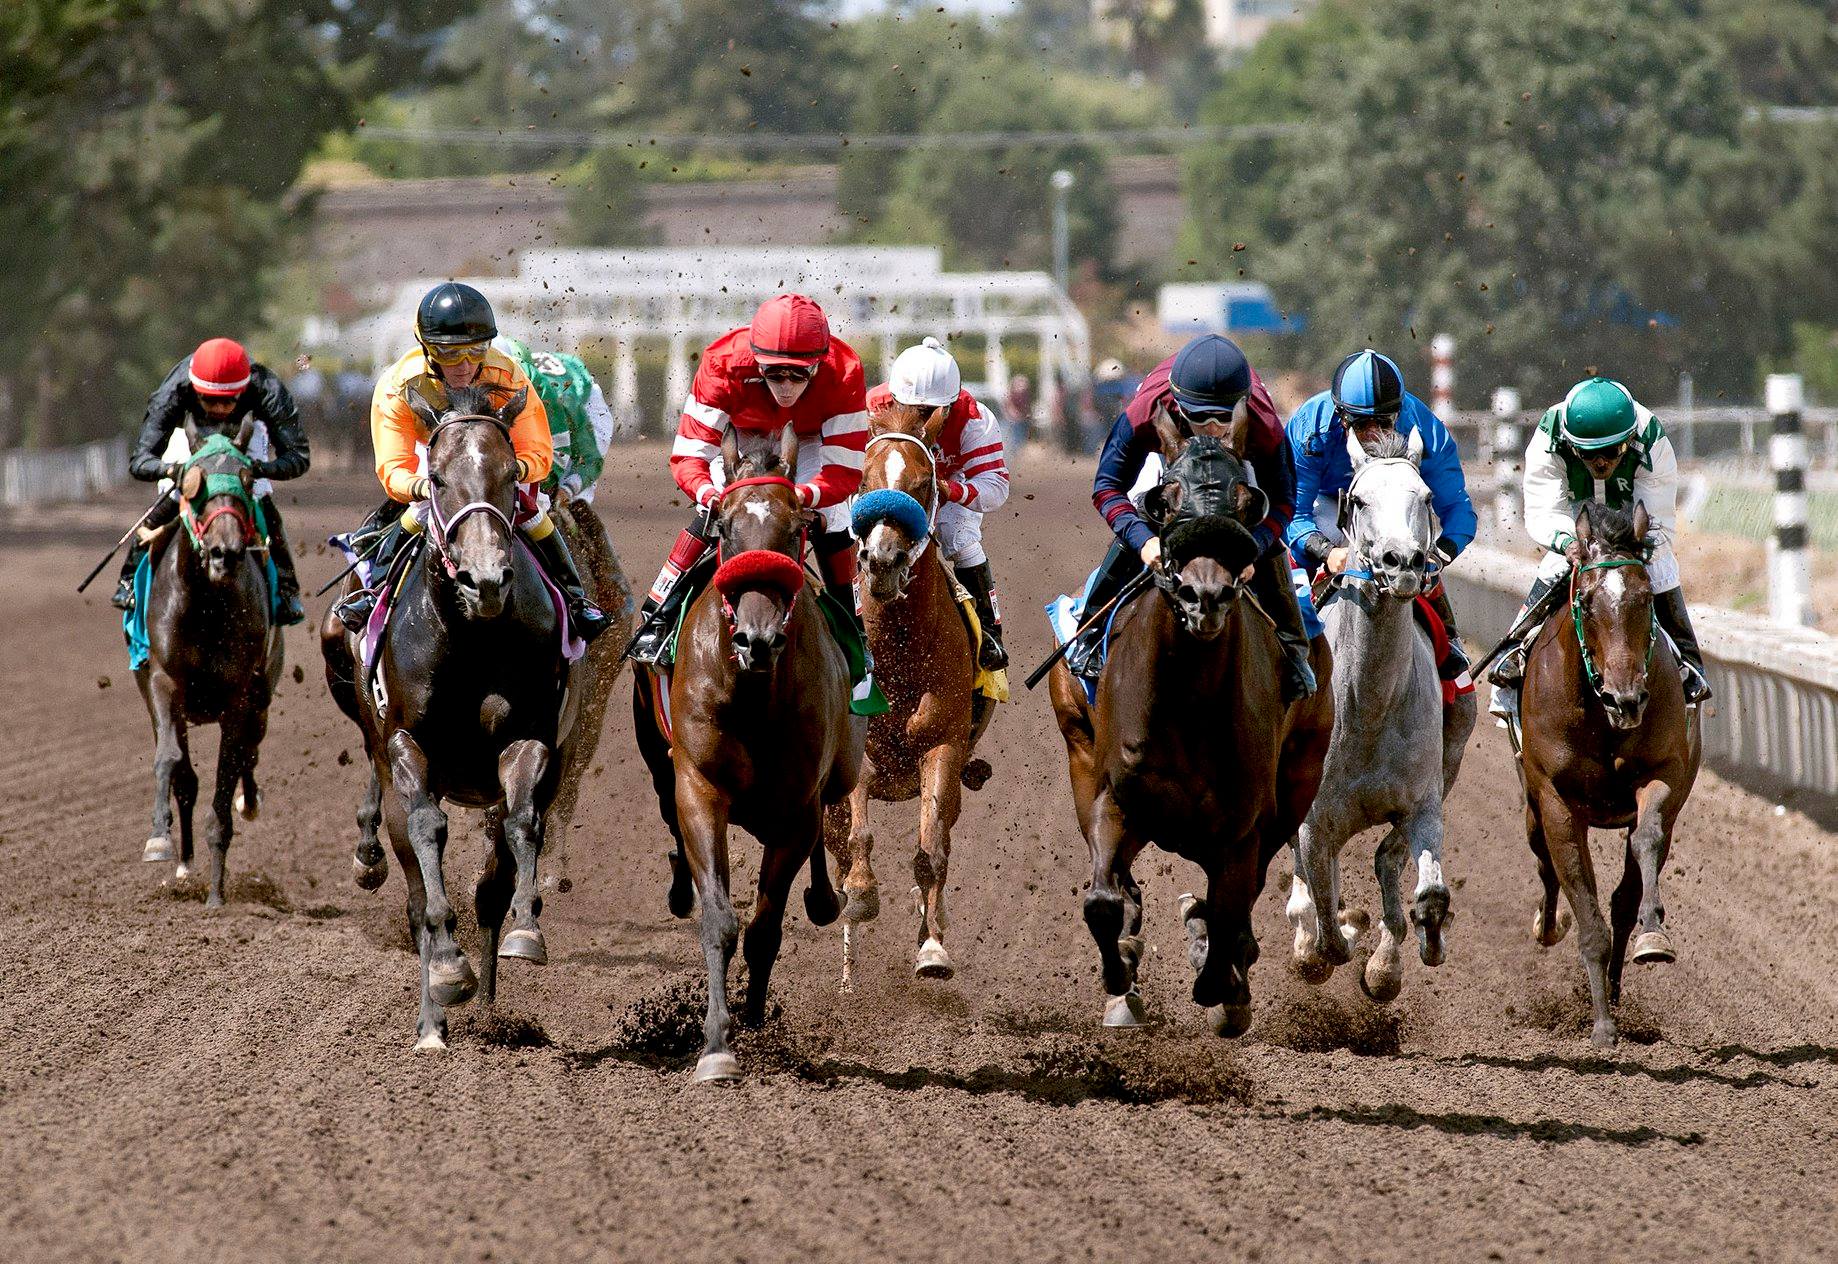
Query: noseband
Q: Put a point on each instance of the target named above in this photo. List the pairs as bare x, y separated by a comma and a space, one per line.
931, 463
1590, 670
441, 527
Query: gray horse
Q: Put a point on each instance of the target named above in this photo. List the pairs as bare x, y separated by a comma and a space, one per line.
1396, 748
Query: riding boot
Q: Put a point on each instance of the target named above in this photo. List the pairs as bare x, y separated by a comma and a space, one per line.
1457, 662
1669, 606
164, 511
288, 610
382, 533
1276, 593
552, 551
1509, 671
980, 581
836, 563
1085, 654
657, 617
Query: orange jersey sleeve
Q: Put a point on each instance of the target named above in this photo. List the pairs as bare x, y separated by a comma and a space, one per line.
395, 431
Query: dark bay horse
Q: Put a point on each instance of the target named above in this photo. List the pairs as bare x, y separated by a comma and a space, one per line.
470, 703
760, 735
1607, 743
926, 666
1188, 736
213, 651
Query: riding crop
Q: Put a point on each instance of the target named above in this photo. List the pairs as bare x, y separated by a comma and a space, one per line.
1129, 590
1533, 616
89, 578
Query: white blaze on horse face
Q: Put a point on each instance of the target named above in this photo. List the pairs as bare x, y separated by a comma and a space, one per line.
895, 467
1614, 587
759, 509
1429, 871
1395, 511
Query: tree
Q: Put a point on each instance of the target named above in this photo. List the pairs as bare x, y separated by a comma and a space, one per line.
606, 205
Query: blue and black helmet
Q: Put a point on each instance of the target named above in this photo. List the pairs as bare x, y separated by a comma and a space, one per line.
1368, 384
1209, 376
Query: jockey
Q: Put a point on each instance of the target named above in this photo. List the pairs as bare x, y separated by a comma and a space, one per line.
782, 369
217, 386
454, 327
1368, 394
1601, 445
972, 474
1202, 389
580, 423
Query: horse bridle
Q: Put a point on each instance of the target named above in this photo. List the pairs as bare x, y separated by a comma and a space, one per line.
239, 509
441, 527
1590, 670
1363, 572
763, 480
931, 463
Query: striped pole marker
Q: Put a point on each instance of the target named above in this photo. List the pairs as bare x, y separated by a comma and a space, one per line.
1508, 453
1789, 568
1442, 377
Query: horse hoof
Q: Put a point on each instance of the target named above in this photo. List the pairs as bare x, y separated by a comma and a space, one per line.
1315, 970
1125, 1011
450, 983
181, 871
717, 1068
1229, 1021
158, 849
432, 1042
248, 809
821, 907
369, 877
863, 906
976, 774
1357, 921
1382, 989
1604, 1035
1545, 937
933, 962
1653, 948
525, 945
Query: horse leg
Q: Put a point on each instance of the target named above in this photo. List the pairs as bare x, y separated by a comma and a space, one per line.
1384, 973
703, 815
235, 752
1321, 942
1429, 910
1568, 840
1623, 908
1106, 911
491, 898
448, 979
940, 801
1549, 923
431, 1020
169, 757
1223, 984
657, 757
778, 866
248, 801
1651, 843
821, 903
859, 886
369, 867
522, 769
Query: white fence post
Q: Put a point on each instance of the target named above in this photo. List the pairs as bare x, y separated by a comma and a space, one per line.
1508, 450
1442, 377
1790, 570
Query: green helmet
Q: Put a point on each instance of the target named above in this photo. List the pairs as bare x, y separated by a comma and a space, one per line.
1597, 413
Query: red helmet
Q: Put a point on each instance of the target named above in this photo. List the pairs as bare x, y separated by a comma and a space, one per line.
219, 367
789, 329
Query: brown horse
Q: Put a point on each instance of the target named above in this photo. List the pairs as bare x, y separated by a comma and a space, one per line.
1187, 739
760, 735
926, 666
213, 653
1607, 743
469, 702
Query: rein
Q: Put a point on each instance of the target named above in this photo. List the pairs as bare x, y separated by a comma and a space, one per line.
1590, 669
931, 463
443, 526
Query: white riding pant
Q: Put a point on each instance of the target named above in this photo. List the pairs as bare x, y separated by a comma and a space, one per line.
959, 531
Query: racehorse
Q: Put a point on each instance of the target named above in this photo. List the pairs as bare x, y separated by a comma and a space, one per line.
757, 734
1607, 742
926, 666
1396, 749
469, 702
213, 651
1185, 742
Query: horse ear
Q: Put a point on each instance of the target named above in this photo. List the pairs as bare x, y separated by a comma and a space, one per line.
1641, 522
192, 440
246, 477
1413, 447
934, 427
1355, 449
1169, 433
1585, 528
730, 453
191, 482
1238, 429
512, 408
418, 404
1249, 504
244, 433
788, 450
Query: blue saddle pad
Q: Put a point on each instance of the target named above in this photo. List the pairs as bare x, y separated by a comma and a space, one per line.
134, 622
1065, 613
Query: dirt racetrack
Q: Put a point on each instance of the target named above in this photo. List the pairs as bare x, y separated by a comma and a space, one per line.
177, 1086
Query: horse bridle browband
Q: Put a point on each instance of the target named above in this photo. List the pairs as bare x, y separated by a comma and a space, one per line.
443, 526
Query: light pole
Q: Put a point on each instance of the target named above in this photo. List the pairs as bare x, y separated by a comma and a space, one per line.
1062, 245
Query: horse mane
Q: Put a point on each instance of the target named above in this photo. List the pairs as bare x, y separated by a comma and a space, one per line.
758, 465
1613, 530
470, 401
1386, 445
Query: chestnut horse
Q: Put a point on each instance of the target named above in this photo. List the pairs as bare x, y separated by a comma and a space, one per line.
925, 664
1189, 733
470, 703
213, 652
1607, 742
759, 735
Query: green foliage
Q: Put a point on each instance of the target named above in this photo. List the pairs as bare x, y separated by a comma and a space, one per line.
146, 151
1534, 179
606, 201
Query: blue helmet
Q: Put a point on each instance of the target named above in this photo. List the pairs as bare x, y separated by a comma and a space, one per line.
1210, 375
1369, 384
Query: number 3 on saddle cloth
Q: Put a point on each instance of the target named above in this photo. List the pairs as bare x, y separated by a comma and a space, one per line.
1324, 590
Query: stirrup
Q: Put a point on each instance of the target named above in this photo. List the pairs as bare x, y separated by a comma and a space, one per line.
355, 611
123, 598
1083, 659
992, 655
1697, 686
588, 619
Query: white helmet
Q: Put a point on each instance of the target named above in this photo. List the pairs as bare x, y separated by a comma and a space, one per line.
925, 375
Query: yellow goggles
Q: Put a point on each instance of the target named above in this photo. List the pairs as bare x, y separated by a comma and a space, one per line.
467, 353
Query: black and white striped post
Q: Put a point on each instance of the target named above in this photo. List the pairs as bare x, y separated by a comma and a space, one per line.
1789, 568
1508, 456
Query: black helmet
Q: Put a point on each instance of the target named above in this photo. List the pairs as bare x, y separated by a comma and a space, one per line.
452, 314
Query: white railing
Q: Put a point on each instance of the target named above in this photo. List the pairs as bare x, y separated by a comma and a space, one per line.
39, 478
